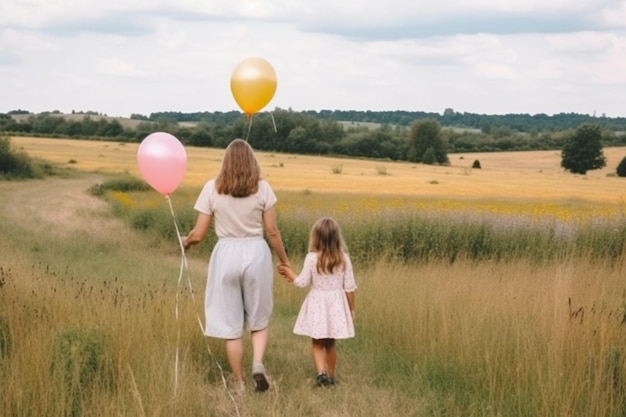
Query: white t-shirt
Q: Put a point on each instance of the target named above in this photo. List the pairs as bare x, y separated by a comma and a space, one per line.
236, 216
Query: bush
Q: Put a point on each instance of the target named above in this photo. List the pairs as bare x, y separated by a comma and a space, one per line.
14, 164
476, 164
124, 183
621, 168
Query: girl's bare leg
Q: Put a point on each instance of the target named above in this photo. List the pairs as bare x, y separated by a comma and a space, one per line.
331, 356
319, 356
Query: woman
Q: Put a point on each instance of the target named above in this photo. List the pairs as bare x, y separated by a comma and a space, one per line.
240, 273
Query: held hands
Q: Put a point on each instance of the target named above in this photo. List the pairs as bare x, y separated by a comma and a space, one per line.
285, 270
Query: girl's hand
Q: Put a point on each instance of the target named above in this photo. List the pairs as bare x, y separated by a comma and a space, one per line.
285, 271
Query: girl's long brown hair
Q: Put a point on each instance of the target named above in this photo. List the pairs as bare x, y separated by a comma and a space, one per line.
240, 172
326, 240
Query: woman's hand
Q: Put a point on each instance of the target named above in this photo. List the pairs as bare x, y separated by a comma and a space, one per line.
199, 231
285, 270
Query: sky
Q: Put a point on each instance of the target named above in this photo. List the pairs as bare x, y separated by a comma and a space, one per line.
119, 57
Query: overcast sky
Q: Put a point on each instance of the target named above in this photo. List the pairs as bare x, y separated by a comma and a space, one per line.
120, 57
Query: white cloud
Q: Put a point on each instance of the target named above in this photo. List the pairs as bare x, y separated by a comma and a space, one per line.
496, 71
580, 43
615, 16
611, 69
139, 56
116, 67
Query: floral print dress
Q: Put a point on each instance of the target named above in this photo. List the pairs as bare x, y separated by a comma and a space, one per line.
325, 313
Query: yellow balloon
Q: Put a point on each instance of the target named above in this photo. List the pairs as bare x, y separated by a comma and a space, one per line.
253, 84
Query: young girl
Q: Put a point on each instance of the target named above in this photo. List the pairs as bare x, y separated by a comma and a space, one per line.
327, 312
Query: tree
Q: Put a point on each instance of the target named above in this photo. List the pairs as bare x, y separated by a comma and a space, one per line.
621, 168
423, 135
583, 150
429, 157
201, 136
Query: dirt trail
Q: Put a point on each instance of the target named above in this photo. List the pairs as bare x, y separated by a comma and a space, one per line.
58, 206
47, 220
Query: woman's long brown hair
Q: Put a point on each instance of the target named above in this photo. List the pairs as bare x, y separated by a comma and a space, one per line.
240, 172
326, 240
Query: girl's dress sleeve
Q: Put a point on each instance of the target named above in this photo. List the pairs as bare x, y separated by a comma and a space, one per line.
304, 279
349, 284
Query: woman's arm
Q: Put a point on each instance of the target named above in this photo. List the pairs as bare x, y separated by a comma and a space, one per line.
199, 232
273, 235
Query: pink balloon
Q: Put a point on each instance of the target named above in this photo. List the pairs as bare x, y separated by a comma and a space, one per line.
162, 161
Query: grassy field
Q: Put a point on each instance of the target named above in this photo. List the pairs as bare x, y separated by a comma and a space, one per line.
534, 175
434, 337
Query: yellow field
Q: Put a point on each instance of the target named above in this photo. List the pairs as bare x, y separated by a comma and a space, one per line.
534, 175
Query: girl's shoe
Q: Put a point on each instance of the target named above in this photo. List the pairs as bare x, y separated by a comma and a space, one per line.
322, 379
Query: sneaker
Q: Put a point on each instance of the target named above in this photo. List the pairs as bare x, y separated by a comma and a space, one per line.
322, 379
236, 387
239, 388
260, 378
332, 381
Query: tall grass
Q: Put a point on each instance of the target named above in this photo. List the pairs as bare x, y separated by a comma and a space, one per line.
483, 336
502, 339
489, 339
417, 230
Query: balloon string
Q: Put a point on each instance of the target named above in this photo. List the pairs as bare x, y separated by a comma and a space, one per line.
249, 117
274, 122
180, 277
184, 267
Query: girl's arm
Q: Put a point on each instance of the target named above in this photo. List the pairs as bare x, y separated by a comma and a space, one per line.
287, 272
349, 284
350, 297
305, 277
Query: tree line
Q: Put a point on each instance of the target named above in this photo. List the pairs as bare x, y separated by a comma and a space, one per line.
412, 136
527, 123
